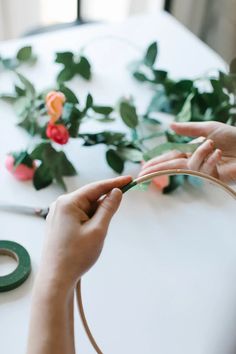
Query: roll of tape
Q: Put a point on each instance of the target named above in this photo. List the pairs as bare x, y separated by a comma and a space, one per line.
23, 269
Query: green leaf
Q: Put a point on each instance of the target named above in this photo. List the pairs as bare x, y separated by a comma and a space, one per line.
151, 54
150, 120
186, 113
67, 169
105, 119
128, 114
105, 137
195, 181
114, 161
8, 98
38, 152
42, 177
24, 54
84, 68
70, 96
66, 74
10, 63
30, 126
142, 187
162, 148
106, 110
72, 118
159, 103
55, 165
174, 183
30, 90
19, 91
65, 58
140, 76
22, 157
21, 105
159, 76
130, 154
89, 101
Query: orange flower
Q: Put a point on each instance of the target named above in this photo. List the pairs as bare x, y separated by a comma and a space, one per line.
54, 103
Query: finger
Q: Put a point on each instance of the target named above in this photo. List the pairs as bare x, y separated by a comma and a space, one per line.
104, 213
167, 165
198, 157
193, 129
210, 165
88, 195
227, 171
163, 158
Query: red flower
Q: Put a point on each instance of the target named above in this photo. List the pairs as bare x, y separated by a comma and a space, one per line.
57, 133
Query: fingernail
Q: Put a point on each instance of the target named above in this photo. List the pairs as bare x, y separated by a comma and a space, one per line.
210, 142
219, 153
114, 194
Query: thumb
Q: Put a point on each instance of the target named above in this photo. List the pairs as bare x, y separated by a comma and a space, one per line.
107, 209
192, 129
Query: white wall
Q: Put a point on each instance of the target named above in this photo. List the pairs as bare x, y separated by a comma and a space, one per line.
17, 16
212, 20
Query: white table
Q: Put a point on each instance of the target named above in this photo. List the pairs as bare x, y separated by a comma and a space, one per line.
166, 280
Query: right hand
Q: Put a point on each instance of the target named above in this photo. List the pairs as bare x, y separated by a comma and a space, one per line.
76, 229
216, 156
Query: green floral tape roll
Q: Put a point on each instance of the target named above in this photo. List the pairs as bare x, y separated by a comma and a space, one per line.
21, 273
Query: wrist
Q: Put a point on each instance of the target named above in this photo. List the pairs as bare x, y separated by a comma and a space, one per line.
54, 284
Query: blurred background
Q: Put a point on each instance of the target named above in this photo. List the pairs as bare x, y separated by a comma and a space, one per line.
214, 21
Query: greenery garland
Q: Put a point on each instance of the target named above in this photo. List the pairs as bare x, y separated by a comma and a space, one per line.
57, 115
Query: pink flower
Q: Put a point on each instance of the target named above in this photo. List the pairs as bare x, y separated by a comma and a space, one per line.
57, 133
161, 182
54, 103
21, 172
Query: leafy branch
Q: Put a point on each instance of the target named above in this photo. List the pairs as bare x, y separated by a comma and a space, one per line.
24, 55
55, 116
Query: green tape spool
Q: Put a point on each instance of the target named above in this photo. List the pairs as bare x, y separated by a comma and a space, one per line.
20, 274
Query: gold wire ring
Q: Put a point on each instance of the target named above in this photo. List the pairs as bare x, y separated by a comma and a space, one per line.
130, 185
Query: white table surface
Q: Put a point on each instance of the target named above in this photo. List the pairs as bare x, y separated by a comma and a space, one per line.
166, 280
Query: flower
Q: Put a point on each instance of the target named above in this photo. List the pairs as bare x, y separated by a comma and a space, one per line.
161, 182
21, 172
57, 133
54, 104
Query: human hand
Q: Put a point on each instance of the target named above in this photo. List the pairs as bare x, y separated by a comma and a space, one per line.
216, 156
76, 228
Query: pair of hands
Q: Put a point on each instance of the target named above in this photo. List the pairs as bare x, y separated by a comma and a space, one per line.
216, 156
77, 223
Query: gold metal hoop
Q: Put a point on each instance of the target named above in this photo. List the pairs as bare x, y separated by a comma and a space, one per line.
135, 182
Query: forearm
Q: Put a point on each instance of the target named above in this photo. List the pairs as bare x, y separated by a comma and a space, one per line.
52, 321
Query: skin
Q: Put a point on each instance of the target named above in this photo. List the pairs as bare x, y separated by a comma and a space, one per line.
216, 156
76, 229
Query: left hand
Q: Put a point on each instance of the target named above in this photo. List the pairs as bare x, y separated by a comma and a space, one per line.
205, 159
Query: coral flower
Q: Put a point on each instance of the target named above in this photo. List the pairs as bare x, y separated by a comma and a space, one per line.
54, 103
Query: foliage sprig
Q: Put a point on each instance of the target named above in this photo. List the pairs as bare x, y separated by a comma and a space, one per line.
184, 98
